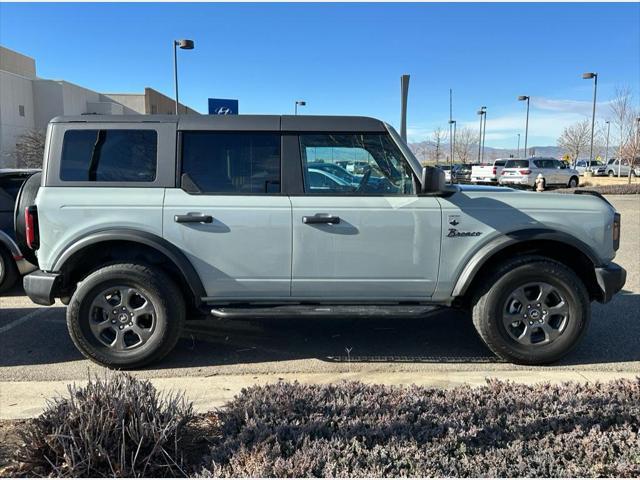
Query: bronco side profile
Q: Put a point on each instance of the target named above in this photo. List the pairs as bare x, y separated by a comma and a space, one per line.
140, 222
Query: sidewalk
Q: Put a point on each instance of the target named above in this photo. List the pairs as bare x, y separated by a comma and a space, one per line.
27, 399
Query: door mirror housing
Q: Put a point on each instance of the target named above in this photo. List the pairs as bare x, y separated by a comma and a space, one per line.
433, 180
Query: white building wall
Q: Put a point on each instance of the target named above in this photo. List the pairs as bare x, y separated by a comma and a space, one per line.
134, 102
15, 91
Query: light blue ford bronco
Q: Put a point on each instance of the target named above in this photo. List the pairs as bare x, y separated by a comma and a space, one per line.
140, 222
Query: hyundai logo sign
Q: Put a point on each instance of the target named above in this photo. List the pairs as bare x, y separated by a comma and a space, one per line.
223, 106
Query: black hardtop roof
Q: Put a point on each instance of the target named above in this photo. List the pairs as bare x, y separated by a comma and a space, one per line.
297, 123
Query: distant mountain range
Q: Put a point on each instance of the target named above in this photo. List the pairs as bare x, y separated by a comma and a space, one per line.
490, 153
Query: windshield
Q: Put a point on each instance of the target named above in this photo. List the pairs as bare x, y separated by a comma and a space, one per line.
517, 164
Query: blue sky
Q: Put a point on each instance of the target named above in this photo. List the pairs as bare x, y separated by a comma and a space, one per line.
347, 58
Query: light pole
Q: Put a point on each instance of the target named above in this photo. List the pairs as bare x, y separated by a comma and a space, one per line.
484, 131
302, 103
522, 98
518, 154
606, 149
453, 140
184, 45
589, 76
481, 112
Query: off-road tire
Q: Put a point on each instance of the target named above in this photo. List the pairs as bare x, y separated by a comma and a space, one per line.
8, 270
489, 299
161, 291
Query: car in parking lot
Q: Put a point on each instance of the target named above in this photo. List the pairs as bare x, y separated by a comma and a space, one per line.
462, 173
488, 173
614, 166
12, 261
592, 166
139, 221
523, 173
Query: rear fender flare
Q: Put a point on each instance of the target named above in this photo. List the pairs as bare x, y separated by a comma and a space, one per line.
148, 239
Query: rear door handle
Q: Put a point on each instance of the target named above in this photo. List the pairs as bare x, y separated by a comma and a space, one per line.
193, 218
321, 218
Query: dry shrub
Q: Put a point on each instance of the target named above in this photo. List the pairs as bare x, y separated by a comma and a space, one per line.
358, 430
115, 426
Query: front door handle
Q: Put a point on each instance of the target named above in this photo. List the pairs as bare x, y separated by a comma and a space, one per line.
193, 218
321, 218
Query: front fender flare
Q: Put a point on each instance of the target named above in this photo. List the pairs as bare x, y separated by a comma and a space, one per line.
485, 252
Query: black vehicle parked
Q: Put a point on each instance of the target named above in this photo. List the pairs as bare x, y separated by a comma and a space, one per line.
462, 173
12, 261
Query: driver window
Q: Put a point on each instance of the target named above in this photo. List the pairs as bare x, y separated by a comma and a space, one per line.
354, 164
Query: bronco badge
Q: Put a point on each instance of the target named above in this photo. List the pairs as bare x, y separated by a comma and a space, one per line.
455, 233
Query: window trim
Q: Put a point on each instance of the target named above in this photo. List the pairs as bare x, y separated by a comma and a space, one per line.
165, 154
109, 182
179, 163
416, 181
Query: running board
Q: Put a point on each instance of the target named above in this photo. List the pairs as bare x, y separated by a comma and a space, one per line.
324, 311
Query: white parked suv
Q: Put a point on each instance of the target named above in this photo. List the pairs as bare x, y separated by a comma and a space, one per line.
523, 172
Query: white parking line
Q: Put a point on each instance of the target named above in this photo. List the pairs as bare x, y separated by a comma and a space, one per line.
21, 320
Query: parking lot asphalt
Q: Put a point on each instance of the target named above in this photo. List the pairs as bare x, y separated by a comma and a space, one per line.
36, 348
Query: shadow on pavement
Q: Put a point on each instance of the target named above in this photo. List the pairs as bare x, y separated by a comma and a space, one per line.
444, 336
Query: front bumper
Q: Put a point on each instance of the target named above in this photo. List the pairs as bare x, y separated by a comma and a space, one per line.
611, 278
41, 286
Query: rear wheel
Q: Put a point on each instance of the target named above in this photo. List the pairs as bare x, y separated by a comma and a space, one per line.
573, 182
531, 310
8, 270
126, 315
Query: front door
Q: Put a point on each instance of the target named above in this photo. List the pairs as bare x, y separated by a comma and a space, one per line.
229, 217
360, 232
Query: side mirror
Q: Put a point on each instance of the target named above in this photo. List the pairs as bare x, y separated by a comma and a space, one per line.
433, 180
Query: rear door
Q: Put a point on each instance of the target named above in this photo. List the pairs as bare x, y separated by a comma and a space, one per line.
229, 216
374, 241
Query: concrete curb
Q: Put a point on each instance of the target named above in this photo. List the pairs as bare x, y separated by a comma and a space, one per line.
27, 399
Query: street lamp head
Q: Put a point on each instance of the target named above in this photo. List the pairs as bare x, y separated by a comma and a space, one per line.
451, 122
481, 112
589, 75
184, 44
522, 98
302, 103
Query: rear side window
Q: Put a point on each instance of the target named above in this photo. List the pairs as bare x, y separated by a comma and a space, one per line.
238, 162
499, 163
109, 156
517, 164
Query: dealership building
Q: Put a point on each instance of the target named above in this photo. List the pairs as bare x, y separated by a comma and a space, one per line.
28, 102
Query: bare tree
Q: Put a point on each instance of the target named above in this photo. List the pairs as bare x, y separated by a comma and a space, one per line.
622, 114
30, 149
466, 144
439, 136
575, 139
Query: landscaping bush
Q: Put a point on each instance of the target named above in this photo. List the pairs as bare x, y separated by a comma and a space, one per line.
115, 426
358, 430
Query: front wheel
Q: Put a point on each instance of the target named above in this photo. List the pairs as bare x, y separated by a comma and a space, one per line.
611, 173
531, 310
126, 315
